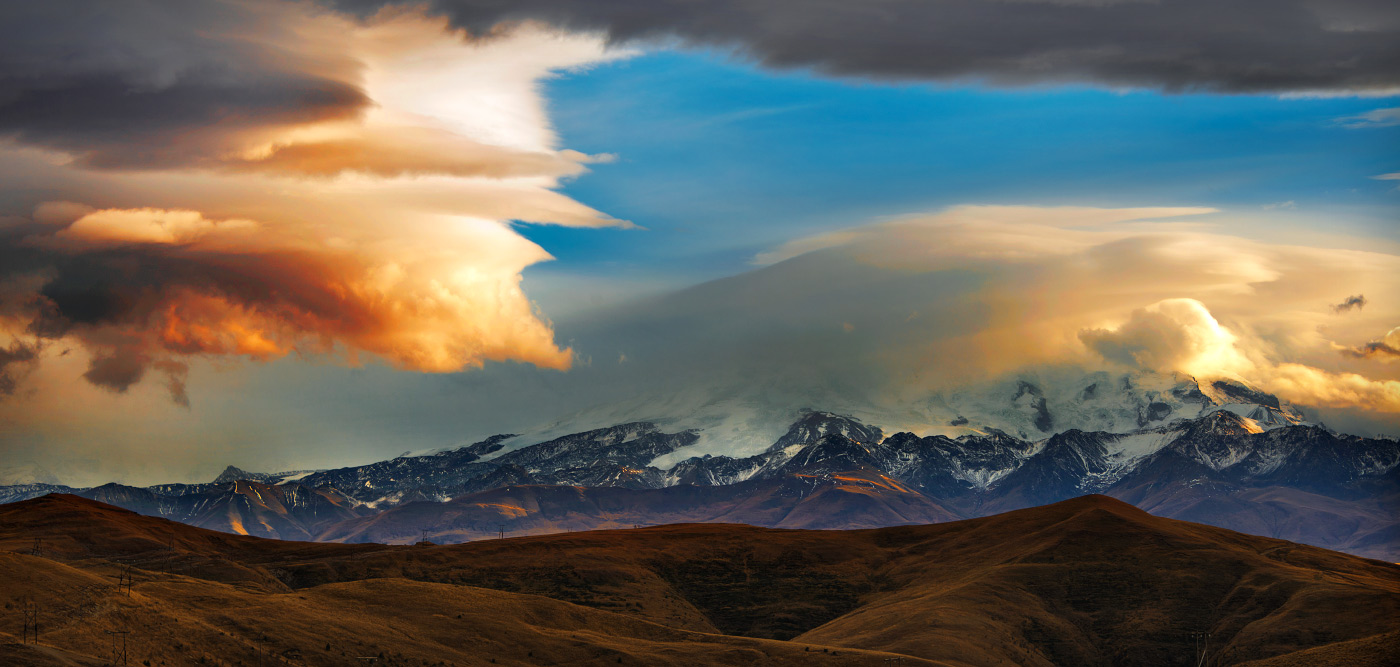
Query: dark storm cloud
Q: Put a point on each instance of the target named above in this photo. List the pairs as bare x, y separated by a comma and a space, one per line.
1175, 45
1357, 301
116, 372
108, 299
118, 369
158, 83
174, 82
14, 360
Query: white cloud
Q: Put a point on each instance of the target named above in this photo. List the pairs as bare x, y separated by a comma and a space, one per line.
387, 233
1388, 117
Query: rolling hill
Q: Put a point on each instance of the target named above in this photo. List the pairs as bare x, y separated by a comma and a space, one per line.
1088, 581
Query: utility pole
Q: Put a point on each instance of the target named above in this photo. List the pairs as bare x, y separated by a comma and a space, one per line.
124, 580
1202, 640
500, 531
118, 655
31, 622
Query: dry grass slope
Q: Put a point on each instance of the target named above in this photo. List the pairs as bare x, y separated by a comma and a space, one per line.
1090, 581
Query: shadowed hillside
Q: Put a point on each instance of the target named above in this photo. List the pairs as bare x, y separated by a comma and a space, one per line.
1090, 581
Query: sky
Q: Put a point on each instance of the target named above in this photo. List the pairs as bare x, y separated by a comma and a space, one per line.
285, 235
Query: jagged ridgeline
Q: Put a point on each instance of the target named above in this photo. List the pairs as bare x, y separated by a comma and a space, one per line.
1239, 459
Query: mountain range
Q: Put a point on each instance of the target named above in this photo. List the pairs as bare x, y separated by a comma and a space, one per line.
1221, 454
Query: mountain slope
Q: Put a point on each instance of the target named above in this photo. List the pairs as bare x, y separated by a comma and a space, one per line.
853, 499
289, 511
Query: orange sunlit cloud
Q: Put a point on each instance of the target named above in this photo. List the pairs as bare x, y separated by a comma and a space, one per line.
383, 234
238, 287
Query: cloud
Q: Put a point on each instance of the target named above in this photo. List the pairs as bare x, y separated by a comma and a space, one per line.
138, 286
1388, 117
146, 226
380, 229
985, 231
1386, 348
407, 152
1001, 293
1357, 301
117, 372
1175, 45
1170, 335
1181, 335
279, 87
1001, 290
15, 360
166, 82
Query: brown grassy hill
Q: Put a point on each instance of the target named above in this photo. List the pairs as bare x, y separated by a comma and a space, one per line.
1090, 581
1379, 649
178, 620
75, 529
1087, 581
1094, 581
